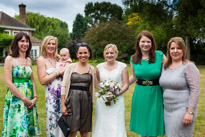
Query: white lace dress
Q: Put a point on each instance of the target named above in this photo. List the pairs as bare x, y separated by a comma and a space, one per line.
110, 120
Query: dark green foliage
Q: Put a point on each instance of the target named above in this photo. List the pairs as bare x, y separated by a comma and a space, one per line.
115, 32
183, 18
5, 41
47, 26
79, 28
102, 12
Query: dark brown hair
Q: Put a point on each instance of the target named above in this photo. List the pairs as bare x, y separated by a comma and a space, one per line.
136, 58
14, 49
180, 42
84, 44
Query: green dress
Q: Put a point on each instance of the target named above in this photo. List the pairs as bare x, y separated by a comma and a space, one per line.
147, 102
18, 121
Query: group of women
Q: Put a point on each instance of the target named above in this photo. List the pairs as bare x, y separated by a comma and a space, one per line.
164, 100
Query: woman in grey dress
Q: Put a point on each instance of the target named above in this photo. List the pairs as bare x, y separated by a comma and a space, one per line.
77, 93
180, 79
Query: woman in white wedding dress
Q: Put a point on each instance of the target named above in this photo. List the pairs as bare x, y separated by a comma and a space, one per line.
110, 120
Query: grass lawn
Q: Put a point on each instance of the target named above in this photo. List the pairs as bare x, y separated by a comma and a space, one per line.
199, 130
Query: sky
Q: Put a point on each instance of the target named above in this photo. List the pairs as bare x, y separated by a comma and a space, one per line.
65, 10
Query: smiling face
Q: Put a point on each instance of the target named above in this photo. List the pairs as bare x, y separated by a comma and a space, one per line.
176, 52
51, 47
110, 55
23, 44
145, 44
83, 54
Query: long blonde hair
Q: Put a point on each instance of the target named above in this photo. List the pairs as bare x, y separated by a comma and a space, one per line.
45, 43
180, 42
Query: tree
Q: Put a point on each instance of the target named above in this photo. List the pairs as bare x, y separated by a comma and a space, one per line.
79, 28
5, 40
48, 26
114, 31
186, 18
190, 20
102, 12
152, 17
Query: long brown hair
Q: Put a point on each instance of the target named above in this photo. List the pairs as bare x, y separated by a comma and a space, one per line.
136, 58
180, 42
14, 49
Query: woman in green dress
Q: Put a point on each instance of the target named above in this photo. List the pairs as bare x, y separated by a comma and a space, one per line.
147, 101
20, 111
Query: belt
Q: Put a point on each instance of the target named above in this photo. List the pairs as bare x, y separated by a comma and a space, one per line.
148, 82
79, 88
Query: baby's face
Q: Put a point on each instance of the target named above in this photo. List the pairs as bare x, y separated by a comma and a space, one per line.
64, 56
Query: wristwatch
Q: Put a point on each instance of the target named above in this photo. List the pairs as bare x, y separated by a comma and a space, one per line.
191, 113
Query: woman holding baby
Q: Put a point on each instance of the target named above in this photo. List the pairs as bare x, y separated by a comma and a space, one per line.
51, 76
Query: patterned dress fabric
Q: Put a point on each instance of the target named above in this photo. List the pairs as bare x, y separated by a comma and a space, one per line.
53, 106
110, 120
18, 121
147, 116
181, 90
79, 103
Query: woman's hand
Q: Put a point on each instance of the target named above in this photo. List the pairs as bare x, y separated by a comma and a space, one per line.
33, 102
27, 102
61, 70
64, 110
188, 118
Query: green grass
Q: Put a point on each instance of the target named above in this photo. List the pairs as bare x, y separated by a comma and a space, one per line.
199, 130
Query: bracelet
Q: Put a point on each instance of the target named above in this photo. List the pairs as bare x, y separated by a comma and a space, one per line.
191, 113
35, 97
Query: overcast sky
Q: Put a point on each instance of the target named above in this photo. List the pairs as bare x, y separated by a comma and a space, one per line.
65, 10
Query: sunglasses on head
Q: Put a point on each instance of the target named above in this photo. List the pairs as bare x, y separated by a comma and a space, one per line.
83, 44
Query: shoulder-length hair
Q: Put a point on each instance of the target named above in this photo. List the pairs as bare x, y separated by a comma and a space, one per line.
14, 49
137, 57
180, 42
45, 42
113, 46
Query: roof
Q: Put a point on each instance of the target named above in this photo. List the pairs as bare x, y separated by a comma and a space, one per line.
9, 22
35, 40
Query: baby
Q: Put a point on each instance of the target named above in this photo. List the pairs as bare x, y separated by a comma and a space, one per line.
64, 58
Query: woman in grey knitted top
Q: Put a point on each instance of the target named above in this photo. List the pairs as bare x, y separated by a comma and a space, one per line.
180, 79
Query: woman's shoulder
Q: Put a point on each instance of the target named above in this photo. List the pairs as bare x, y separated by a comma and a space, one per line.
92, 67
71, 65
41, 58
190, 64
190, 67
100, 65
121, 64
9, 58
159, 52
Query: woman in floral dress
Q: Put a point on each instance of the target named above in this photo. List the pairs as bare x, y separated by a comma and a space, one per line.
51, 77
20, 111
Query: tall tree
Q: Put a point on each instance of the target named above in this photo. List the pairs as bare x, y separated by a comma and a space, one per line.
190, 20
48, 26
79, 28
102, 12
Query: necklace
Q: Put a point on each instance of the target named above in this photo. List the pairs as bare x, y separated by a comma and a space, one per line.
145, 58
50, 61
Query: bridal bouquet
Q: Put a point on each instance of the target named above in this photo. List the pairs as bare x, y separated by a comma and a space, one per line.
108, 90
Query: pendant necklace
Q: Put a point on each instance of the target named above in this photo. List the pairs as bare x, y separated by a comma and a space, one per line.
50, 61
